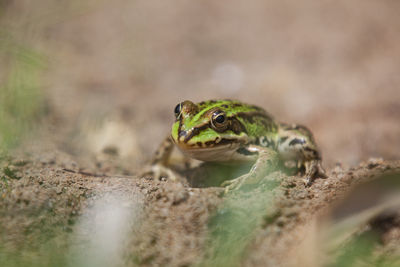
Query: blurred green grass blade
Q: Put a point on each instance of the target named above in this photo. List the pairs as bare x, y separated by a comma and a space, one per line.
21, 98
356, 237
235, 224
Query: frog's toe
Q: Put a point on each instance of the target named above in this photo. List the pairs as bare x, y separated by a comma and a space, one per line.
231, 185
308, 181
234, 184
145, 171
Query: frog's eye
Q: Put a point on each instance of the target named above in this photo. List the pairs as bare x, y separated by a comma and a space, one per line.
219, 121
177, 110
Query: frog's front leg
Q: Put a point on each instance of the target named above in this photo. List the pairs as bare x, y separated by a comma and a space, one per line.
159, 164
297, 143
267, 160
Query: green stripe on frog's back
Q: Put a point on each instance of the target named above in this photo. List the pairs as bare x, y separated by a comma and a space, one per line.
205, 106
200, 118
230, 107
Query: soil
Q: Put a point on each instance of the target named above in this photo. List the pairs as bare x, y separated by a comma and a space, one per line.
72, 184
44, 197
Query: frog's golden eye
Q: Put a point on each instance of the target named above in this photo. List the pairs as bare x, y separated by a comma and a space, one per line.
219, 121
177, 110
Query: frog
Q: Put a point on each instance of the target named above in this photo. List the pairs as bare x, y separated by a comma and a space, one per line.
233, 132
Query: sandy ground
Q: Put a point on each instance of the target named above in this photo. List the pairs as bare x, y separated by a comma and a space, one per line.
116, 71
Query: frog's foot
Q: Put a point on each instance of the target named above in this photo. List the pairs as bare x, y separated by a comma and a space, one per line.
159, 171
267, 161
250, 178
313, 170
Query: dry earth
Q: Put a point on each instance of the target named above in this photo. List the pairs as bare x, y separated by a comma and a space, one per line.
172, 223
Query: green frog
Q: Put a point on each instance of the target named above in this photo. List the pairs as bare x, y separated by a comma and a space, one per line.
229, 131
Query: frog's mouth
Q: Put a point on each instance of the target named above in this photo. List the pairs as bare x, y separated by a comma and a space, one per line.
220, 151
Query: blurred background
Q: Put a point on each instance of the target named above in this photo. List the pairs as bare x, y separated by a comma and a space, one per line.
106, 75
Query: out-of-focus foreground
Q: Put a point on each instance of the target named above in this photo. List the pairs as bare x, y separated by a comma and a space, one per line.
90, 86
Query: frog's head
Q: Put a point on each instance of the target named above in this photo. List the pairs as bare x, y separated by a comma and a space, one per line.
207, 126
